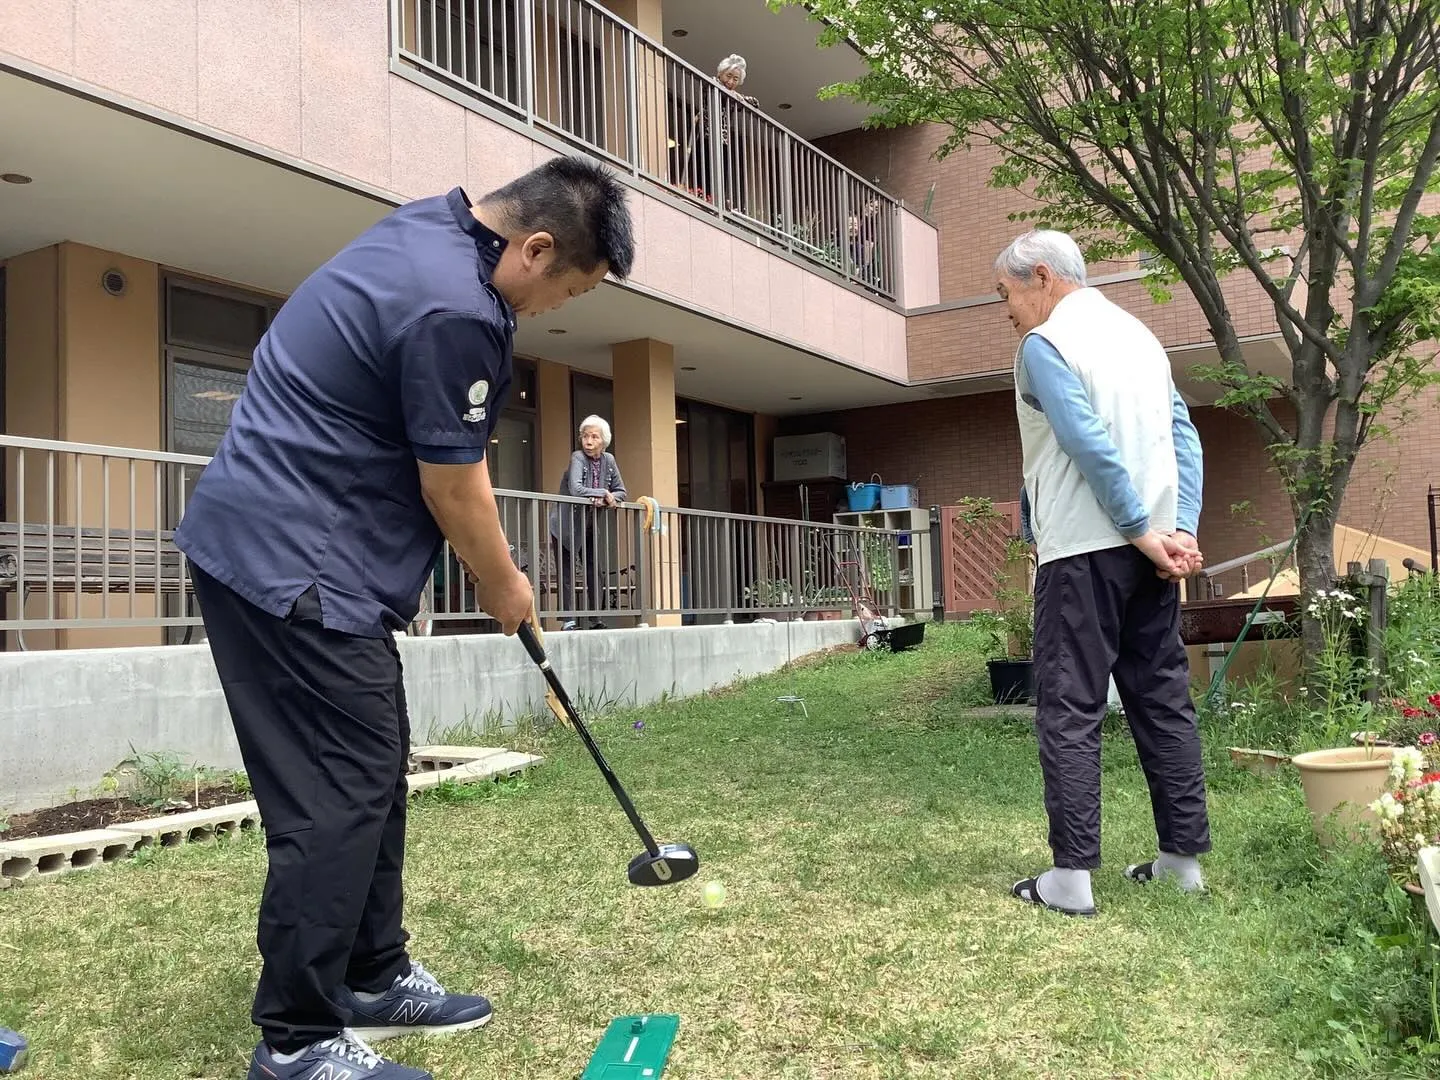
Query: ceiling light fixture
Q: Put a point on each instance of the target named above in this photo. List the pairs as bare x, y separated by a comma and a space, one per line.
677, 32
687, 368
784, 106
15, 178
557, 331
795, 398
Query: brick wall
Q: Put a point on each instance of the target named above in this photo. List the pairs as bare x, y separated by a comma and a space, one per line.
971, 216
969, 446
978, 339
954, 447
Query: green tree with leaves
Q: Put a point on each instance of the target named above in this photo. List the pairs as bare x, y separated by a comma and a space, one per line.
1292, 141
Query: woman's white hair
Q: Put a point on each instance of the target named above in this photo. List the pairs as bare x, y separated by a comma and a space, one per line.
600, 425
733, 62
1054, 249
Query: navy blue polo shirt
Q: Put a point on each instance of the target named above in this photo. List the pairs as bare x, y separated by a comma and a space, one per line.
399, 347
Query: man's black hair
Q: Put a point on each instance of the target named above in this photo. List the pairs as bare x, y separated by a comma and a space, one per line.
580, 203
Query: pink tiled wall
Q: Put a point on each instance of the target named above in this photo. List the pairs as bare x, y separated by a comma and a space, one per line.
311, 80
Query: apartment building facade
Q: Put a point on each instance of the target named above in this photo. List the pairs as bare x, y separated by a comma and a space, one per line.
174, 168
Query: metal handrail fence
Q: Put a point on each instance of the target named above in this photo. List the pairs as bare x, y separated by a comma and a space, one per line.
576, 70
86, 542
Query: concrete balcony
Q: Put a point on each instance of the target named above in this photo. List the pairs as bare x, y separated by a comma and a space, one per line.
744, 227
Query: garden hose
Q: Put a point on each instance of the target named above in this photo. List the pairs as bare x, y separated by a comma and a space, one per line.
1219, 679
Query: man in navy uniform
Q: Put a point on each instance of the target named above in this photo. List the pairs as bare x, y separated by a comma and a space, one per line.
356, 448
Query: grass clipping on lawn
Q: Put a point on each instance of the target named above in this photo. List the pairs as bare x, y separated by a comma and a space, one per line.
868, 931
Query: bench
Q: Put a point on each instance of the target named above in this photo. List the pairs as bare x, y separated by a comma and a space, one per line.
70, 560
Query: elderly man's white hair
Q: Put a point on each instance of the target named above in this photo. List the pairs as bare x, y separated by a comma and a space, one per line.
734, 62
599, 424
1057, 250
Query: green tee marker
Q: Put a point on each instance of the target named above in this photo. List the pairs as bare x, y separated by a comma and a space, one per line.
633, 1048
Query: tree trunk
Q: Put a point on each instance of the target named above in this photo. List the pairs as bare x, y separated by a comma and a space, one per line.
1315, 559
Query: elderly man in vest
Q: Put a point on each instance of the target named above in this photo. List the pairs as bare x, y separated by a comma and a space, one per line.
1112, 502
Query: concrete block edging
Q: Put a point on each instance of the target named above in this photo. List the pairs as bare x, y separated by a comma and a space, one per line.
43, 858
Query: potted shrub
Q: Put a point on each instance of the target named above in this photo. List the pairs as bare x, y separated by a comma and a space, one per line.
1339, 779
1344, 781
1010, 630
1012, 676
1009, 633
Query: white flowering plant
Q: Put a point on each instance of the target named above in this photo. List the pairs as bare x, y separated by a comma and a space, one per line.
1340, 673
1337, 609
1409, 810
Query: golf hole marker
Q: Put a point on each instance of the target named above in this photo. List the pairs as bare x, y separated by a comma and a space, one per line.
634, 1048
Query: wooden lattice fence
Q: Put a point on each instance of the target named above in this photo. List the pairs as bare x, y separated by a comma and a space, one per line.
972, 553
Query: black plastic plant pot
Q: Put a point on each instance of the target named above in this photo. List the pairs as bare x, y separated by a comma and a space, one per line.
1012, 682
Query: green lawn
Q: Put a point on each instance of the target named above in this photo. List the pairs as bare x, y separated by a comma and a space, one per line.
868, 853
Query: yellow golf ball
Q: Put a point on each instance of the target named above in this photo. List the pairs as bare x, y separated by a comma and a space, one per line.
713, 894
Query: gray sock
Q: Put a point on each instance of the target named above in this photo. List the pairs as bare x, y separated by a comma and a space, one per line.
287, 1059
1066, 888
1184, 868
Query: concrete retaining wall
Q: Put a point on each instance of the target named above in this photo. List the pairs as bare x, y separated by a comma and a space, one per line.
66, 718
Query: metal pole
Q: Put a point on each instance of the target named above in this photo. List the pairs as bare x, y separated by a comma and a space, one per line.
525, 50
1434, 537
937, 568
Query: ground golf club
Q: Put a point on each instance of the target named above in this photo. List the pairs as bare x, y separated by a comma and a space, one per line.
658, 864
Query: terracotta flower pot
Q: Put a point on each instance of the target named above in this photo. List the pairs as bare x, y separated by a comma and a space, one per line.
1343, 780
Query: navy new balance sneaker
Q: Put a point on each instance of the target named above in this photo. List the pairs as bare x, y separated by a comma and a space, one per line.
414, 1005
345, 1057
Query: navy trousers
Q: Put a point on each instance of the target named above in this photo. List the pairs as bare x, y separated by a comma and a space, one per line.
321, 721
1096, 614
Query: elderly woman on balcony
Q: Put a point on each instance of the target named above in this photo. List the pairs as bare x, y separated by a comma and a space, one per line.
592, 474
730, 73
699, 169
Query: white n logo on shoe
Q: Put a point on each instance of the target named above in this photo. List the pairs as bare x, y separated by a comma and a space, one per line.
410, 1011
330, 1071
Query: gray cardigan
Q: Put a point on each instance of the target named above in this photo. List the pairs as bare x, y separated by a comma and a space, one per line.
568, 523
573, 483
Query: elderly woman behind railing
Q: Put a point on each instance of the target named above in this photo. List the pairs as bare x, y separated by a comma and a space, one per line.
700, 167
730, 73
592, 474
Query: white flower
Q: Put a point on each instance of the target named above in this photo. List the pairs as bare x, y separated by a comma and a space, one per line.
1407, 764
1387, 807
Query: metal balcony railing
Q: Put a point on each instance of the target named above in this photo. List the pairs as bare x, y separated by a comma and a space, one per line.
86, 543
572, 68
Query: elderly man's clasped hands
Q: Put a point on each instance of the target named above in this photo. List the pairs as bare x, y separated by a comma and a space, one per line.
1185, 555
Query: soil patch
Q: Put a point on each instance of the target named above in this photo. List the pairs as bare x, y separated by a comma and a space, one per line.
103, 813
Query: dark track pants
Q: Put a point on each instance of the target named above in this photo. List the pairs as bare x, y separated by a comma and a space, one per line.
1097, 613
321, 721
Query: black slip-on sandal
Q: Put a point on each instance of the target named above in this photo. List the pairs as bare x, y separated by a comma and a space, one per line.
1029, 891
1141, 873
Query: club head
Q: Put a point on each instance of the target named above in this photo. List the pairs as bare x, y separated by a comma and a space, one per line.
673, 864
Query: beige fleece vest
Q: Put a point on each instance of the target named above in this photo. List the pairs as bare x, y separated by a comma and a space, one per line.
1127, 375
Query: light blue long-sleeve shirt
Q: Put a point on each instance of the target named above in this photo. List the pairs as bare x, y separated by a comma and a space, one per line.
1057, 391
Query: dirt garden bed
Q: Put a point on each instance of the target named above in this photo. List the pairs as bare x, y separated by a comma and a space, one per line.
86, 814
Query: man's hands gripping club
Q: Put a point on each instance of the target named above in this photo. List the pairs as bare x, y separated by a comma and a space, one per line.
463, 503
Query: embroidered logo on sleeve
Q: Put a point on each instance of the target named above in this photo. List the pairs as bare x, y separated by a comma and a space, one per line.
477, 394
